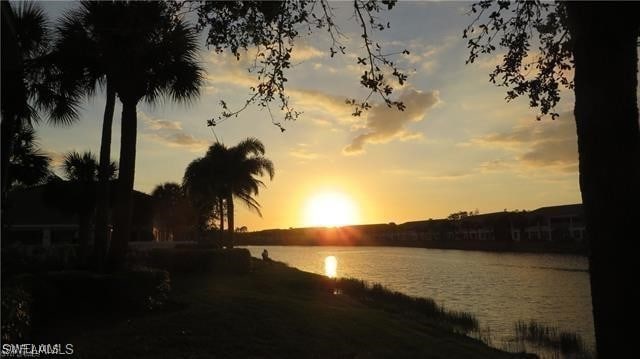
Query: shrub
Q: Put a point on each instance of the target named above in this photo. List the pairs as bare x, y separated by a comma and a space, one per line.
16, 314
140, 288
58, 293
192, 260
53, 295
33, 260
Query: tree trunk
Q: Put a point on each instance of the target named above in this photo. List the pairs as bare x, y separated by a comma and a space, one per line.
101, 236
221, 207
230, 220
124, 186
606, 112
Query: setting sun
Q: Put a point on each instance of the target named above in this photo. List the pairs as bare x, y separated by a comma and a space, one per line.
330, 209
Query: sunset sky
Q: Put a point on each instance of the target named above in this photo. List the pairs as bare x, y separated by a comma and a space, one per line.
457, 146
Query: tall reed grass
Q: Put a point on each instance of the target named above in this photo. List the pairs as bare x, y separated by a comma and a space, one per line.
550, 341
461, 322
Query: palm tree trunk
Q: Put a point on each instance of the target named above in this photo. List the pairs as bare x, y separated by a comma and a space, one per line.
124, 187
221, 208
606, 64
102, 214
230, 220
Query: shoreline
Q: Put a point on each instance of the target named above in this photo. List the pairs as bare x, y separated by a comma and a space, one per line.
276, 311
484, 246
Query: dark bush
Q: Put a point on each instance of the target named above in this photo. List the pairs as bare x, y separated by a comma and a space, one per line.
38, 259
140, 288
192, 260
59, 293
48, 296
16, 314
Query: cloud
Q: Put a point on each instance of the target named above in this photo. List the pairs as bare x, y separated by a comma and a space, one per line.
540, 143
304, 52
324, 67
447, 176
171, 134
159, 124
312, 100
225, 69
179, 140
424, 55
385, 124
303, 154
495, 165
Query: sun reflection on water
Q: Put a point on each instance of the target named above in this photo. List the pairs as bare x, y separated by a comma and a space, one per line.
331, 266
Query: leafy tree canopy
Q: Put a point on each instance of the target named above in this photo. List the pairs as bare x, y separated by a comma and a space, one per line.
272, 26
518, 27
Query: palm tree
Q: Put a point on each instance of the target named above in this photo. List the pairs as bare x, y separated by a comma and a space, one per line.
28, 72
30, 83
246, 160
28, 165
172, 210
86, 52
156, 57
78, 193
226, 173
201, 186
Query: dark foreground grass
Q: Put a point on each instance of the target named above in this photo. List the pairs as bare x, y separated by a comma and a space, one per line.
272, 312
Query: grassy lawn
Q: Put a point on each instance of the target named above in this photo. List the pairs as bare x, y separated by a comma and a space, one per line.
273, 312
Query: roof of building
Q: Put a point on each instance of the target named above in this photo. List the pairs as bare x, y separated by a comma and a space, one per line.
27, 207
560, 211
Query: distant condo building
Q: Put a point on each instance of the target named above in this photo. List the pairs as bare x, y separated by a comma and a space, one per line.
554, 223
557, 224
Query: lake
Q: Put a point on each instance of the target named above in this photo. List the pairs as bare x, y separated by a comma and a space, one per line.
499, 288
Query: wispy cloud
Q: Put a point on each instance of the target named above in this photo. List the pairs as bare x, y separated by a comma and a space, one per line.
171, 134
303, 52
551, 144
303, 154
453, 176
225, 69
159, 124
425, 54
331, 106
384, 124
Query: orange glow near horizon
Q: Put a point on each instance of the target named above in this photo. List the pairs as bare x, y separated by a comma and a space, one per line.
330, 209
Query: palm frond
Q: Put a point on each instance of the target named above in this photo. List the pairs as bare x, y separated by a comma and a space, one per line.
80, 167
249, 201
32, 29
28, 164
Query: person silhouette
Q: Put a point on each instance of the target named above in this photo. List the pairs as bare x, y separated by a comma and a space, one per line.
265, 255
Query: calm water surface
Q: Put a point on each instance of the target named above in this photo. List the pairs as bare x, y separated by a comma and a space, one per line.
500, 288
